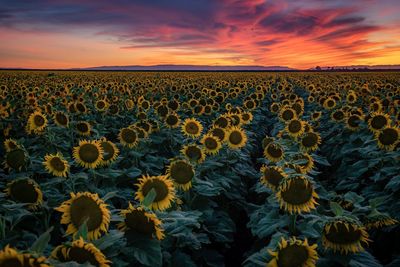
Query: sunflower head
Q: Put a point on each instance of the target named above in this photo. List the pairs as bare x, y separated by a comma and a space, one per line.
235, 137
344, 235
287, 114
110, 150
81, 252
211, 144
296, 194
181, 172
128, 137
378, 121
83, 128
377, 220
192, 128
85, 207
274, 152
61, 119
304, 161
10, 144
163, 187
10, 257
88, 154
25, 190
37, 122
353, 122
194, 153
16, 159
56, 165
272, 176
138, 220
294, 253
309, 141
295, 127
218, 132
388, 138
172, 120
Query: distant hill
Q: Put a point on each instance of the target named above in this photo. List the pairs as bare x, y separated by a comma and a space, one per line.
360, 67
190, 68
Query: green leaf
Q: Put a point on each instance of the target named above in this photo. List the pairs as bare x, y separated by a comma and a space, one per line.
336, 208
82, 231
41, 243
149, 198
147, 251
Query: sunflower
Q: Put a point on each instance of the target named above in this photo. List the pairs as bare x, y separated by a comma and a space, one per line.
162, 185
16, 159
274, 152
294, 253
218, 132
353, 122
37, 122
295, 127
222, 122
316, 115
88, 154
137, 220
172, 120
329, 103
81, 252
61, 119
274, 107
194, 153
101, 105
211, 144
192, 128
378, 121
296, 194
83, 128
338, 115
236, 137
246, 117
10, 144
388, 138
308, 164
181, 172
309, 141
56, 165
10, 257
110, 151
266, 140
272, 176
85, 206
344, 235
25, 190
128, 137
377, 220
287, 114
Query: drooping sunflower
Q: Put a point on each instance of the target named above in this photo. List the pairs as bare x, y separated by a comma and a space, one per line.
235, 137
192, 128
128, 137
181, 172
83, 128
272, 176
274, 152
172, 120
218, 132
309, 141
61, 119
16, 159
295, 127
307, 162
138, 220
353, 122
88, 154
296, 194
211, 144
10, 257
378, 121
81, 252
377, 220
162, 185
294, 253
56, 165
85, 207
10, 144
388, 138
194, 153
344, 235
110, 151
25, 190
37, 122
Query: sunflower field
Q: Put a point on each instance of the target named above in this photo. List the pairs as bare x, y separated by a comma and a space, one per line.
199, 169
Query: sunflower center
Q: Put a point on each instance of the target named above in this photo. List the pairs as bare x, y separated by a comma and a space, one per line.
138, 222
108, 150
82, 255
274, 151
294, 126
193, 152
11, 262
159, 186
192, 128
82, 127
388, 136
16, 159
341, 235
101, 104
309, 140
287, 114
273, 176
129, 136
61, 119
292, 256
297, 192
172, 120
338, 115
89, 153
85, 208
114, 109
57, 164
211, 143
354, 120
378, 122
24, 192
235, 138
218, 133
181, 172
38, 120
222, 122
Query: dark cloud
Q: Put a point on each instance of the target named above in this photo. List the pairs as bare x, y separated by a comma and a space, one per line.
290, 23
344, 21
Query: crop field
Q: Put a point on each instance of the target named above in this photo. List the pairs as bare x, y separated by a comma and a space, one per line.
284, 169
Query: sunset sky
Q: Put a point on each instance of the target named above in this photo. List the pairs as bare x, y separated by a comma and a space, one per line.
298, 34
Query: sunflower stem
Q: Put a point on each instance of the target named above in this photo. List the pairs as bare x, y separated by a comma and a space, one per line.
292, 224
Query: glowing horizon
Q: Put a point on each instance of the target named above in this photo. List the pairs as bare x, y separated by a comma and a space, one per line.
297, 34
